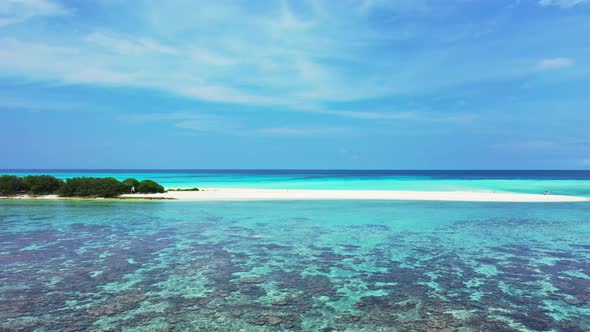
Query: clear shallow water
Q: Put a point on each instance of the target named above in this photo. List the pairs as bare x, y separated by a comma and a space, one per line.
557, 182
301, 266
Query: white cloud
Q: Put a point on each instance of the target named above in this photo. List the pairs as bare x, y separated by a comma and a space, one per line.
298, 58
128, 45
210, 123
586, 162
204, 122
104, 76
195, 121
288, 21
554, 63
211, 92
300, 131
277, 57
414, 116
456, 119
373, 115
37, 105
414, 7
141, 118
17, 11
533, 145
206, 57
562, 3
69, 65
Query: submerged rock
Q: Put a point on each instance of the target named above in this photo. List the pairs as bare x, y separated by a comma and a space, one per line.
253, 290
252, 280
273, 320
280, 303
269, 320
573, 301
118, 304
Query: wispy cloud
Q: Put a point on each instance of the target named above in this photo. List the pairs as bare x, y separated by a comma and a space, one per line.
400, 6
360, 115
40, 61
287, 20
129, 45
562, 3
528, 145
373, 115
554, 63
293, 56
17, 11
206, 57
194, 121
70, 65
211, 123
413, 116
301, 131
204, 122
148, 117
37, 105
571, 145
298, 56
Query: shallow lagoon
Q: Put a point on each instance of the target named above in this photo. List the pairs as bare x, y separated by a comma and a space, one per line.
312, 266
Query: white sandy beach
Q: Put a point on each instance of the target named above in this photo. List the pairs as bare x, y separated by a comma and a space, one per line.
237, 194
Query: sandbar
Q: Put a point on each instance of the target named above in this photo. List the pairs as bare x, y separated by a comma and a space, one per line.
241, 194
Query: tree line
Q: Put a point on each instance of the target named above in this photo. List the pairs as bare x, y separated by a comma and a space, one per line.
11, 185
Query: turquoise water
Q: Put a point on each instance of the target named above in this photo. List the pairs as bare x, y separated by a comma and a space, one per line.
294, 266
557, 182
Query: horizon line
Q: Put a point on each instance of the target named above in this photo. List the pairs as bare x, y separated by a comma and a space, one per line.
279, 169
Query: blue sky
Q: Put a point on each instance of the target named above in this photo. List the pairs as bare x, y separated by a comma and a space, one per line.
418, 84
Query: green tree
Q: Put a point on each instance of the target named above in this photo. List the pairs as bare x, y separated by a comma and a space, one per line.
96, 187
149, 186
41, 184
75, 187
10, 185
131, 183
109, 187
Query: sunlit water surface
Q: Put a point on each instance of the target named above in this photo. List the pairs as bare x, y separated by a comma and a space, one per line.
301, 266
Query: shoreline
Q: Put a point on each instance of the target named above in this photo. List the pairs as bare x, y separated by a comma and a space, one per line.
80, 198
247, 194
242, 194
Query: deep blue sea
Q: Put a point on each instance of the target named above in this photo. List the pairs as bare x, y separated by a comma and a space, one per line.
301, 265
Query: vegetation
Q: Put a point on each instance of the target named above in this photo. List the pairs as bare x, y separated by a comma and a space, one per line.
149, 186
74, 187
10, 185
185, 189
131, 184
98, 187
41, 184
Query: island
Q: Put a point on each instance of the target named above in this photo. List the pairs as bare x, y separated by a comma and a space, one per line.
49, 187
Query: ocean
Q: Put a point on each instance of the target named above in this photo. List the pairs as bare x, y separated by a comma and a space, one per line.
301, 265
575, 183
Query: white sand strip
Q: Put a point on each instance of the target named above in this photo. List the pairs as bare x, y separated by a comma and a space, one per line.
235, 194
